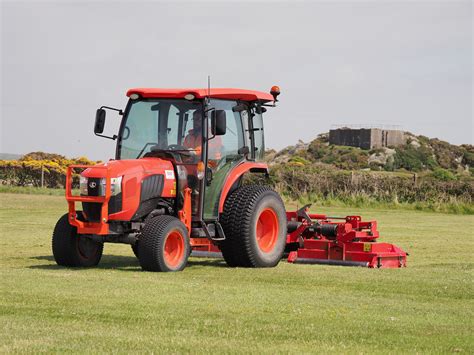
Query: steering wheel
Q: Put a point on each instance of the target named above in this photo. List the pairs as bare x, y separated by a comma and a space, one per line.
182, 150
177, 147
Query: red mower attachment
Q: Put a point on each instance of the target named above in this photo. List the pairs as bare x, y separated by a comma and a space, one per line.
348, 241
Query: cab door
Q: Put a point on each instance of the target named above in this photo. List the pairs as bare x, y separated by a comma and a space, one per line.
223, 155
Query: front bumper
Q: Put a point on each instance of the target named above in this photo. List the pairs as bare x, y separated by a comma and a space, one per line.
101, 227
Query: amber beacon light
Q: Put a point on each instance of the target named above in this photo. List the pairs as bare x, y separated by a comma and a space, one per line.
275, 91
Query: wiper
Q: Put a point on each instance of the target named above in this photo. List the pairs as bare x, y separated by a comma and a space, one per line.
146, 145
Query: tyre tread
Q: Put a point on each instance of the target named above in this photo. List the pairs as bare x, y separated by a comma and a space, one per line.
236, 221
151, 242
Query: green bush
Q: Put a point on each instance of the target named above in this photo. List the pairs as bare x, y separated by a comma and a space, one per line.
443, 174
414, 159
299, 160
468, 158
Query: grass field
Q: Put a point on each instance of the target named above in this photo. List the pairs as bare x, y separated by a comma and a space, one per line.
427, 307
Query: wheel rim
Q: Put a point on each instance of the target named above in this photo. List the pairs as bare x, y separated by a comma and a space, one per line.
174, 249
267, 230
86, 247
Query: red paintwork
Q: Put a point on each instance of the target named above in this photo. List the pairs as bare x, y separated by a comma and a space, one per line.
355, 241
235, 174
379, 255
267, 230
224, 93
174, 249
133, 172
185, 215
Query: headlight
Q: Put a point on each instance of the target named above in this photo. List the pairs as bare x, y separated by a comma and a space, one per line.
115, 186
83, 185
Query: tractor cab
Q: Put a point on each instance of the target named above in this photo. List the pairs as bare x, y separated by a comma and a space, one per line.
204, 133
204, 137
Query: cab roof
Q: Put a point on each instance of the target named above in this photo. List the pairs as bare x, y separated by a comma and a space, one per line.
216, 93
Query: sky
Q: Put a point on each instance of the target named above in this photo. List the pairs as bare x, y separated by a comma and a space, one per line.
406, 63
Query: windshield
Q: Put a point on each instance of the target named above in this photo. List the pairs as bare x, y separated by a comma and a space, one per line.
159, 124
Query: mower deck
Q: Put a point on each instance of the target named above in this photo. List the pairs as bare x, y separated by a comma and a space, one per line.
319, 239
348, 241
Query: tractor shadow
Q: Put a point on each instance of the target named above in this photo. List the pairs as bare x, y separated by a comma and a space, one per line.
121, 263
108, 262
214, 262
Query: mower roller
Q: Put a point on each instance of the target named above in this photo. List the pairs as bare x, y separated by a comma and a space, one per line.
175, 189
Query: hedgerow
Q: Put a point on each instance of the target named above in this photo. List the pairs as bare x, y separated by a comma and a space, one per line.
28, 170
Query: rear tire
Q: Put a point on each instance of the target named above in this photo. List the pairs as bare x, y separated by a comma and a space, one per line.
135, 249
254, 223
163, 245
73, 250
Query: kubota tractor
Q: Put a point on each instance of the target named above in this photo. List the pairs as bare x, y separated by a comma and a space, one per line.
175, 186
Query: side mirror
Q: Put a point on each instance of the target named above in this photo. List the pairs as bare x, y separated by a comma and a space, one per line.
244, 150
218, 122
239, 108
99, 121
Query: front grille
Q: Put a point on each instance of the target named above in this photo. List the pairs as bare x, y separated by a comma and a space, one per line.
115, 203
152, 187
93, 209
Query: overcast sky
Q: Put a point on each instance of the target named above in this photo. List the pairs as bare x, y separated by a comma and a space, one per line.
405, 63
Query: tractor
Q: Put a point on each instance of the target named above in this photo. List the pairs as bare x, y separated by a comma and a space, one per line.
176, 187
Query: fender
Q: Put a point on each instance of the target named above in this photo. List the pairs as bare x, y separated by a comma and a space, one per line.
235, 174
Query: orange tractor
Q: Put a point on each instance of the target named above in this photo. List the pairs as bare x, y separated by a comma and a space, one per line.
175, 187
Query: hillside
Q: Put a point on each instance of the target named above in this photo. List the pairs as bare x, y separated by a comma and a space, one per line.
424, 173
419, 154
10, 156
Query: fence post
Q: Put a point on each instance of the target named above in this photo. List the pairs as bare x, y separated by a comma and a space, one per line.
42, 175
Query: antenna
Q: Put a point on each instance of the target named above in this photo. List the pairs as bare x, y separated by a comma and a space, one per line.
208, 88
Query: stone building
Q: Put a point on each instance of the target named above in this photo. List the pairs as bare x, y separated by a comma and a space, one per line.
367, 138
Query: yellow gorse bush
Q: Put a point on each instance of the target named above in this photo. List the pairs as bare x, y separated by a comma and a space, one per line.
27, 171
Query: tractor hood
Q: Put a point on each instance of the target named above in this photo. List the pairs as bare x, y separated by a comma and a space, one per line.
136, 185
119, 168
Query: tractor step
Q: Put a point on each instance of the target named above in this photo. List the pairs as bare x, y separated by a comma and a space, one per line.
206, 254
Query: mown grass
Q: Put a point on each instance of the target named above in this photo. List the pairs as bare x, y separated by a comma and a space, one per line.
424, 308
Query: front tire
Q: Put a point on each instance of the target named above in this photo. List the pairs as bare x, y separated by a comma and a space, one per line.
254, 223
73, 250
164, 245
